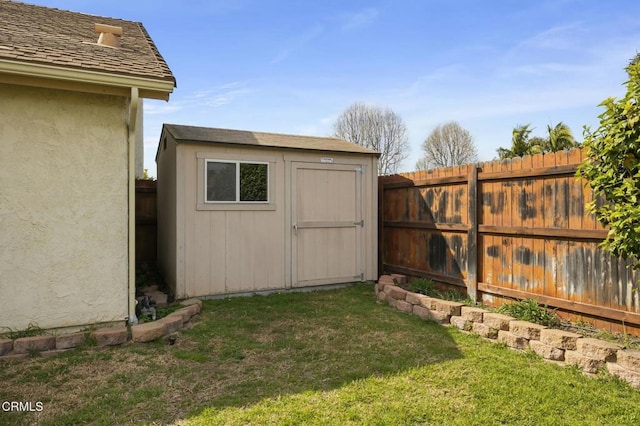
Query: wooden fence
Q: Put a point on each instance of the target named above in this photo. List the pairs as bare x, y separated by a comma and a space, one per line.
146, 222
508, 229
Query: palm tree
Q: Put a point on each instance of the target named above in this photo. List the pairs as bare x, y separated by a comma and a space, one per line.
522, 143
560, 137
519, 143
537, 145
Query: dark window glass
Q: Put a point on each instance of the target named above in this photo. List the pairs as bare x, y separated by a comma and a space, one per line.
221, 181
253, 182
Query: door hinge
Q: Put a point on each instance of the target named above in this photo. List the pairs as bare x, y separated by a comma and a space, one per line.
361, 223
359, 169
360, 276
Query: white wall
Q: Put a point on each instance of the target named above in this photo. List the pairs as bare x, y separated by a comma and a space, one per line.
63, 208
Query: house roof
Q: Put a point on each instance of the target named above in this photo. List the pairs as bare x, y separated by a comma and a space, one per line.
211, 135
37, 35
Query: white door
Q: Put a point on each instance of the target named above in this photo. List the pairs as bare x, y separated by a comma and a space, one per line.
326, 224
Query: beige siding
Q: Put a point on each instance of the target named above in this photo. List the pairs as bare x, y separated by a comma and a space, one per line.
63, 208
370, 249
221, 251
230, 251
369, 190
326, 209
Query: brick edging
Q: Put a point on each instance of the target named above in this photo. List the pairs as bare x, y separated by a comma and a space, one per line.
560, 346
47, 345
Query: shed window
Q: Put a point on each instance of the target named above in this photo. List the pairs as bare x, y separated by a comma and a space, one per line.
236, 182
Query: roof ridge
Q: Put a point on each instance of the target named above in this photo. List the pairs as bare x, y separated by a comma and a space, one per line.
258, 132
213, 135
66, 10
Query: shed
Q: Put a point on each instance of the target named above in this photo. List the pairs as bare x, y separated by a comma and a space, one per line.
244, 212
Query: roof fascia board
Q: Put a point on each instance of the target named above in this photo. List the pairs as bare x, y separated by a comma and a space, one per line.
269, 146
49, 83
155, 89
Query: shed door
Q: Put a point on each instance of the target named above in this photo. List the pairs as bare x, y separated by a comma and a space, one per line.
327, 224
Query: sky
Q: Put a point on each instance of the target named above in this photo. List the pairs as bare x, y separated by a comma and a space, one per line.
293, 66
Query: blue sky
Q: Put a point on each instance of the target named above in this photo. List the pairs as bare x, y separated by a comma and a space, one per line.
294, 66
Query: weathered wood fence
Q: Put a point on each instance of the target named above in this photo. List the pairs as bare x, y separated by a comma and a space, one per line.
146, 222
508, 229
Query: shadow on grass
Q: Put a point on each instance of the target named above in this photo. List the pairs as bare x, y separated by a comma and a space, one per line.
267, 347
240, 352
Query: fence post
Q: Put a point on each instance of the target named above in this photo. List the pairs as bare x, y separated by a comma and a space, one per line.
380, 226
472, 235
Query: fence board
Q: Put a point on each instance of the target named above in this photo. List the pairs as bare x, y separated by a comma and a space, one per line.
510, 228
472, 234
146, 222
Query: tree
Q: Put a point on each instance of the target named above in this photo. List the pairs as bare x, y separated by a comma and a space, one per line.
446, 146
537, 145
377, 128
422, 164
613, 169
559, 137
519, 142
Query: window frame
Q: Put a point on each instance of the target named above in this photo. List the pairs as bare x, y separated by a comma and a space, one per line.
206, 157
237, 181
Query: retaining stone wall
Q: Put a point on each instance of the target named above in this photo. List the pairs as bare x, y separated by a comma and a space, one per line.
554, 345
47, 345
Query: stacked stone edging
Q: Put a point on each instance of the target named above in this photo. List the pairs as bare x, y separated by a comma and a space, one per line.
108, 336
418, 304
567, 348
25, 345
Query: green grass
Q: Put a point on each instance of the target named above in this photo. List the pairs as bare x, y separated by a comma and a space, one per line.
332, 357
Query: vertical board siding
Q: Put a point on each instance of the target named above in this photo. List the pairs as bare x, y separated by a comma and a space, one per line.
221, 251
535, 237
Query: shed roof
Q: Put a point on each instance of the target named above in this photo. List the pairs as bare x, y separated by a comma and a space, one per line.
275, 140
53, 37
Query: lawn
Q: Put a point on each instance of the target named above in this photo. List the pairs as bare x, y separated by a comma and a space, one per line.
330, 357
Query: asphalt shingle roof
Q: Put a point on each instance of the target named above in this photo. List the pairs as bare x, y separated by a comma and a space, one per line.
242, 137
42, 35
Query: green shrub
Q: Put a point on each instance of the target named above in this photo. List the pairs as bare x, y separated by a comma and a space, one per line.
613, 169
423, 286
530, 310
427, 287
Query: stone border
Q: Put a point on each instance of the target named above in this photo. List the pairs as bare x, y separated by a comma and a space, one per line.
47, 345
563, 347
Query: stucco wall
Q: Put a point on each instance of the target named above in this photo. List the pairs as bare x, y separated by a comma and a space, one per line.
63, 208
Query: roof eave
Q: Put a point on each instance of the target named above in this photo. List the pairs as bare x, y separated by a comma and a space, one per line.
171, 129
149, 88
271, 146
